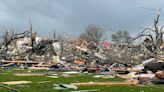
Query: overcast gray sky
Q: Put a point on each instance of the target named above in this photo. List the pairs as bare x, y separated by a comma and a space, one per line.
72, 16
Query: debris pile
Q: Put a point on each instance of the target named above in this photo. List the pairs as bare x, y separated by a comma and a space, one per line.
28, 50
139, 64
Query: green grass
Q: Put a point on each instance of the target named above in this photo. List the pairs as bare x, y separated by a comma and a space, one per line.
48, 87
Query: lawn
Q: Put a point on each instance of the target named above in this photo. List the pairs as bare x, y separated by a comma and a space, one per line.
48, 87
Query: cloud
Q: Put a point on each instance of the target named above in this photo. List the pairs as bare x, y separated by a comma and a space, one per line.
72, 16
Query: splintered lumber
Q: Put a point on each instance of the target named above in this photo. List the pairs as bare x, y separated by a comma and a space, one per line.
30, 74
9, 88
25, 62
38, 68
16, 82
127, 83
93, 90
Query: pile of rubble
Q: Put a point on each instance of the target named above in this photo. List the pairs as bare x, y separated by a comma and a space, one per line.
29, 51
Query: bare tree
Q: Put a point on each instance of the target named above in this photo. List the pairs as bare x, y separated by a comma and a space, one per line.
93, 33
153, 35
122, 37
9, 37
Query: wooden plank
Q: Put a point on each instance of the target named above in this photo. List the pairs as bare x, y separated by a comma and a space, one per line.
30, 62
30, 74
8, 64
16, 82
135, 82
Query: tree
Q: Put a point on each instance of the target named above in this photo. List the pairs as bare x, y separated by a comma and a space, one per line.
154, 35
9, 37
121, 37
93, 33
